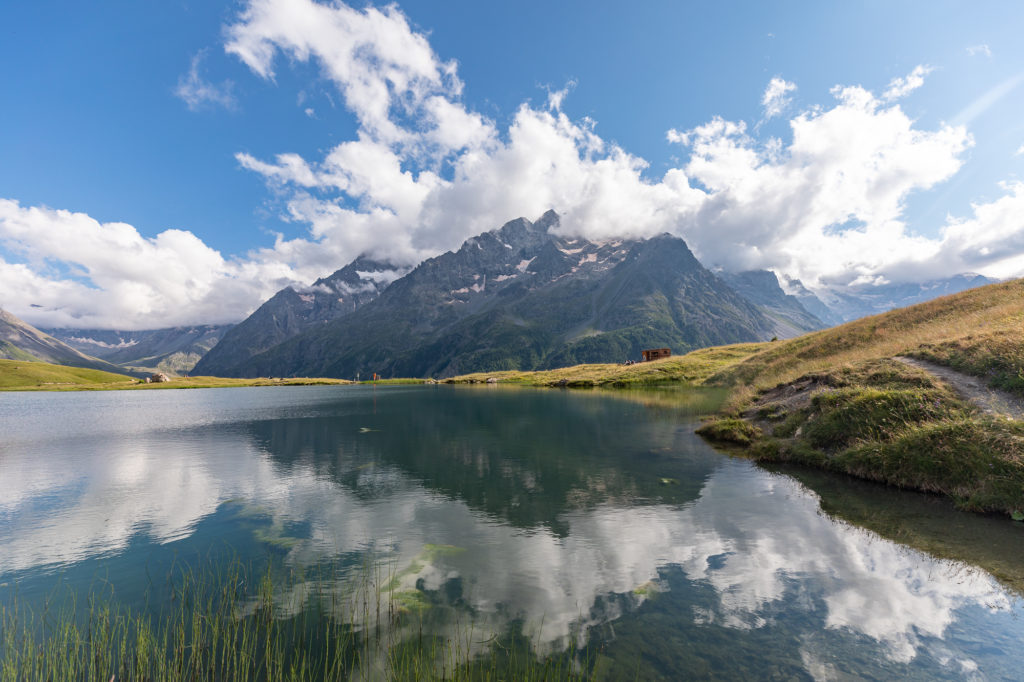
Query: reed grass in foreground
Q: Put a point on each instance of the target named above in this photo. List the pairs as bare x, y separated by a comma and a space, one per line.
230, 624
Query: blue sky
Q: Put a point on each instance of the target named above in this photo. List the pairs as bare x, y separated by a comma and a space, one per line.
151, 131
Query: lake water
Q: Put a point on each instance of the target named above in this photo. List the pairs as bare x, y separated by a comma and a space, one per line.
587, 522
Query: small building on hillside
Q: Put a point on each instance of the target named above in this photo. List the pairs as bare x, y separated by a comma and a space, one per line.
656, 354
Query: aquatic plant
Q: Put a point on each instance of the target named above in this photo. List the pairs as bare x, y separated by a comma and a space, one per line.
231, 623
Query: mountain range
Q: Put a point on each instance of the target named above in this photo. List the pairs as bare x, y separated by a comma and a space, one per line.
174, 350
290, 312
518, 297
21, 341
860, 300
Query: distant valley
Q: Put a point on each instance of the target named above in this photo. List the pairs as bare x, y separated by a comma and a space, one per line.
175, 350
21, 341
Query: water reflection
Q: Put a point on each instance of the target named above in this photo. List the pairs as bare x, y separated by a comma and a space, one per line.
565, 513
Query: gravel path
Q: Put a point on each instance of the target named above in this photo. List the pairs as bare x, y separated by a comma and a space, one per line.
989, 400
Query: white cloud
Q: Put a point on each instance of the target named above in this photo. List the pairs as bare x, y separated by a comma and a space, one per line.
901, 87
380, 64
776, 97
738, 202
853, 164
975, 50
198, 93
556, 97
676, 137
121, 279
424, 172
1020, 151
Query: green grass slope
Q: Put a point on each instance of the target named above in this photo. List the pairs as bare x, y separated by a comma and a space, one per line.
21, 341
838, 400
20, 374
979, 316
692, 368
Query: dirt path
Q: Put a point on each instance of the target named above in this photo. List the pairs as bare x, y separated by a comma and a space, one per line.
989, 400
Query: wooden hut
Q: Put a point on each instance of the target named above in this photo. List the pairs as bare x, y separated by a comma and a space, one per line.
656, 354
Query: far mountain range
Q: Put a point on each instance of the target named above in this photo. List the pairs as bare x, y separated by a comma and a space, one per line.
517, 297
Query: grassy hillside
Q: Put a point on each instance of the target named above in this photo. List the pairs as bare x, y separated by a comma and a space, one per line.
40, 376
23, 342
8, 351
976, 317
19, 374
692, 368
837, 399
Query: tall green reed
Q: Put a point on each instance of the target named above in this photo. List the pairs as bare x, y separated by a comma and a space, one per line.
233, 622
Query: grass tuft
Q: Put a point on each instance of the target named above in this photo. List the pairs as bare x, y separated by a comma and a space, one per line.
730, 430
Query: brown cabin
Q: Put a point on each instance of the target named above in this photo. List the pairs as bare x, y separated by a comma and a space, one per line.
656, 354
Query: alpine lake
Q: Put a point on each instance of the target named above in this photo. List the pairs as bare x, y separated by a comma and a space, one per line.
590, 533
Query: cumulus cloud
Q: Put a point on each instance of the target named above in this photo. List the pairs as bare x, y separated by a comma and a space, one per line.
901, 87
776, 97
383, 68
975, 50
556, 97
827, 207
113, 276
199, 93
424, 172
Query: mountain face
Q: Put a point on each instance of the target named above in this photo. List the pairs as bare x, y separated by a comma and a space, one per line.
290, 313
852, 302
174, 350
21, 341
520, 297
761, 287
811, 302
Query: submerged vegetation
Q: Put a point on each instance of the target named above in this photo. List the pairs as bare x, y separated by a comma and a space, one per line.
238, 624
